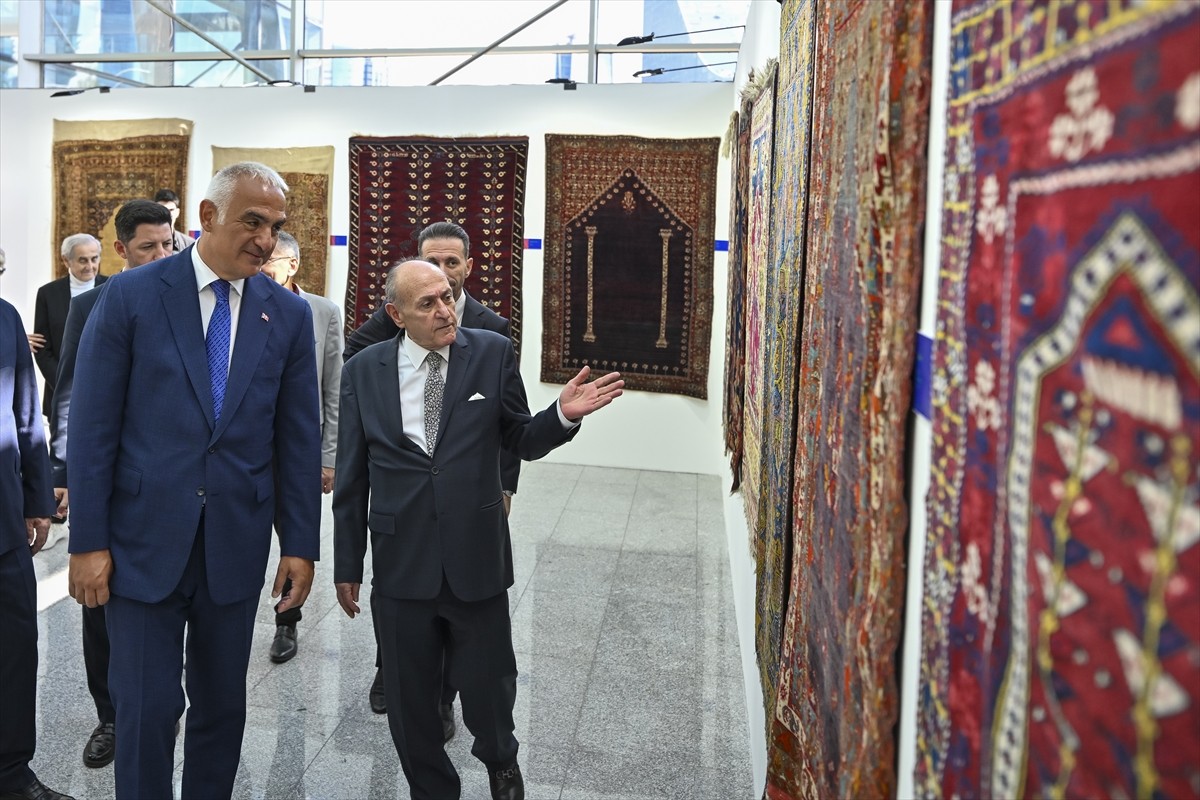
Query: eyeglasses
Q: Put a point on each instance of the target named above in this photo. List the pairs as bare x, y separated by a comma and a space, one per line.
280, 258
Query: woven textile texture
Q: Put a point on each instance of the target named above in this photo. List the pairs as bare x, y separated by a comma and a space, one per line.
735, 331
308, 172
1061, 619
93, 178
398, 186
837, 701
629, 258
783, 287
758, 265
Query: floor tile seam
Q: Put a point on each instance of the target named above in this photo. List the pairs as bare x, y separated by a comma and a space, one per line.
342, 720
588, 683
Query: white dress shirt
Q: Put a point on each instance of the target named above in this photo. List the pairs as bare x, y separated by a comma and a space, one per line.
413, 372
410, 363
208, 298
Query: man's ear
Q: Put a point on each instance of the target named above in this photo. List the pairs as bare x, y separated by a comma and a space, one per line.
208, 215
119, 246
394, 313
470, 263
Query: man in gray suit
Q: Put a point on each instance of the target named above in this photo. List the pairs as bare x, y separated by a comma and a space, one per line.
327, 327
423, 419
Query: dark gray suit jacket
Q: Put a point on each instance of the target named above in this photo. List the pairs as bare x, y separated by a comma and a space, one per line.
441, 514
50, 319
380, 328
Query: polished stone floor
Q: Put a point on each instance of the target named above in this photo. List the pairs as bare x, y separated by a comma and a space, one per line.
630, 679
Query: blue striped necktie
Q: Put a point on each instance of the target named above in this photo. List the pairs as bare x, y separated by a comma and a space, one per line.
216, 343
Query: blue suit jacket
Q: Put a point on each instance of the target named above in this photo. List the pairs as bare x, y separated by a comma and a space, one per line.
25, 489
145, 457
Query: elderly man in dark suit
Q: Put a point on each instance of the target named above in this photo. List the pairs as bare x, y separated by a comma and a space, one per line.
26, 502
422, 420
80, 254
200, 431
445, 245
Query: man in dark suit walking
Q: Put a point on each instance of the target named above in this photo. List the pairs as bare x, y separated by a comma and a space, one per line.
200, 431
143, 235
26, 502
445, 245
80, 255
422, 420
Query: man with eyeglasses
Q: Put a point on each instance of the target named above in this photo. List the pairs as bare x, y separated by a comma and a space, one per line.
281, 267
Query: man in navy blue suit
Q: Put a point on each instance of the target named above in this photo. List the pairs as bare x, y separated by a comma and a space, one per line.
200, 430
26, 503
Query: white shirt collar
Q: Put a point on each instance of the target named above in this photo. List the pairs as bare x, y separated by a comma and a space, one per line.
205, 275
460, 305
417, 354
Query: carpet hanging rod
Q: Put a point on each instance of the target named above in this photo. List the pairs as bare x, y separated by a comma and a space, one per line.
501, 40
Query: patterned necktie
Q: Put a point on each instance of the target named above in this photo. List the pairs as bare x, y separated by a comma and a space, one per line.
216, 343
435, 387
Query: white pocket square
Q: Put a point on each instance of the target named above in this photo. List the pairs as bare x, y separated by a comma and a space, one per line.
476, 396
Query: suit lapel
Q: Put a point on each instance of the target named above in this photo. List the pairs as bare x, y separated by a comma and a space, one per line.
254, 321
181, 301
460, 360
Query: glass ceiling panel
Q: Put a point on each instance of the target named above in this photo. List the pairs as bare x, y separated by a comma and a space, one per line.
621, 18
135, 26
473, 24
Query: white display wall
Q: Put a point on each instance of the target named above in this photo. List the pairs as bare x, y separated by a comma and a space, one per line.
642, 430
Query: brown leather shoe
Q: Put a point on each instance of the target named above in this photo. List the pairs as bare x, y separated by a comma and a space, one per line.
101, 746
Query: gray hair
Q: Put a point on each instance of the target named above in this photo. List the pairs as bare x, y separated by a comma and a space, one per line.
220, 188
74, 240
389, 286
289, 244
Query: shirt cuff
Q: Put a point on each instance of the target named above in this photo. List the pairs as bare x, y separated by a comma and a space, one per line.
566, 423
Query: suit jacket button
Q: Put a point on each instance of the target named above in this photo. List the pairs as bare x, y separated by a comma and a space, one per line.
200, 491
212, 449
436, 470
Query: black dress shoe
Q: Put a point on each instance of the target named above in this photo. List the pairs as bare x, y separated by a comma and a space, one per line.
35, 791
283, 647
448, 726
101, 746
378, 700
507, 783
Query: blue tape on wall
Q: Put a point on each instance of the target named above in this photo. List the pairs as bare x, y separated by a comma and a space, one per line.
922, 372
533, 244
337, 241
722, 246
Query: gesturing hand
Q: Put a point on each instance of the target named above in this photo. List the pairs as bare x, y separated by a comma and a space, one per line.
580, 398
